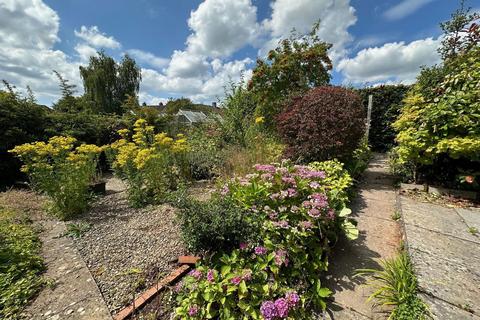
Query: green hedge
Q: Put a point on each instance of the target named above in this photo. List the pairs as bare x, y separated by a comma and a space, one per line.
387, 101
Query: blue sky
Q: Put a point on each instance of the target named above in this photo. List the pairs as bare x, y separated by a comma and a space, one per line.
193, 48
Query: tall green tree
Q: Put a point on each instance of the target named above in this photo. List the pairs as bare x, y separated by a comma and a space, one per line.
299, 63
68, 102
107, 84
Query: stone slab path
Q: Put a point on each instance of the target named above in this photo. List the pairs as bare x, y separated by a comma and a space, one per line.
73, 293
446, 257
379, 239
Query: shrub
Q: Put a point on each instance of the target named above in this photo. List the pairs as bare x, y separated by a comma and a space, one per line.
204, 155
299, 217
216, 225
322, 124
152, 164
387, 101
444, 125
20, 264
61, 171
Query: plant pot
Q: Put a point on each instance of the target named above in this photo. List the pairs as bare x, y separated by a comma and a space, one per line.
98, 187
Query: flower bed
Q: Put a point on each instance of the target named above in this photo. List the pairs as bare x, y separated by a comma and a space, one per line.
299, 212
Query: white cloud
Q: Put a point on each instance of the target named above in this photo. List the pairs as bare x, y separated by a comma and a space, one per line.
97, 39
85, 51
220, 27
148, 58
396, 61
335, 16
185, 64
149, 99
28, 33
405, 8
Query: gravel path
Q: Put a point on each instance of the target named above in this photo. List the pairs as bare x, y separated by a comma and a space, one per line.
127, 248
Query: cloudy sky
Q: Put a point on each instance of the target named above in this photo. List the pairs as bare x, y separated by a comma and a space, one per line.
192, 48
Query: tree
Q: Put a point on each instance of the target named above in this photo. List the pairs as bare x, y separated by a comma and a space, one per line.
296, 65
462, 32
107, 83
67, 103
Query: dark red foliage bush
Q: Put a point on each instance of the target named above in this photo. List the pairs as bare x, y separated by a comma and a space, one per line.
324, 123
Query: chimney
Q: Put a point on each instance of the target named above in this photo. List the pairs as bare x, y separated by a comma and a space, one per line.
214, 104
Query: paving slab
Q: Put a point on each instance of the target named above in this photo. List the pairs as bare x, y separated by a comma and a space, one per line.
444, 311
435, 218
446, 257
379, 239
470, 216
73, 294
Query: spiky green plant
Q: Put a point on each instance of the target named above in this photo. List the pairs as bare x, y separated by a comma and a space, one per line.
395, 284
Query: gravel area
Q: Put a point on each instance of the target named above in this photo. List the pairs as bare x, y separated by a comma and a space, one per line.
128, 249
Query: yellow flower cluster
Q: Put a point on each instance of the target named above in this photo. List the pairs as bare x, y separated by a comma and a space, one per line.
57, 151
144, 146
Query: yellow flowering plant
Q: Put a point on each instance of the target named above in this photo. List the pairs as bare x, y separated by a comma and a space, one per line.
151, 164
60, 170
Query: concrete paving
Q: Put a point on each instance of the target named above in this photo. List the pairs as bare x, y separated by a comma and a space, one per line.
446, 256
379, 239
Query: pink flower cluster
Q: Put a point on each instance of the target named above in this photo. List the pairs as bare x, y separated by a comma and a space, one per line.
279, 308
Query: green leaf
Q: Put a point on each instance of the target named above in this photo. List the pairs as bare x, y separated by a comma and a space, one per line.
345, 212
225, 269
324, 292
243, 287
351, 231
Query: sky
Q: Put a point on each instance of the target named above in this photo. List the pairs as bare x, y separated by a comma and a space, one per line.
193, 48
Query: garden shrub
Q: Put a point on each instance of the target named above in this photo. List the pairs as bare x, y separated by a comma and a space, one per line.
277, 274
322, 124
387, 101
20, 264
219, 224
61, 171
358, 163
204, 156
152, 164
444, 125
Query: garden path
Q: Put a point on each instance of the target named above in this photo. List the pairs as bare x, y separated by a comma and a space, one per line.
445, 251
379, 238
73, 293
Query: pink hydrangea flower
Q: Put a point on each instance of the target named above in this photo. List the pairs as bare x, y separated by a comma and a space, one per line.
282, 307
236, 280
260, 250
197, 274
243, 245
193, 310
268, 310
306, 224
292, 298
265, 168
210, 276
314, 213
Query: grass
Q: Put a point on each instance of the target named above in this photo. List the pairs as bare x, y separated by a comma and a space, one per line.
395, 285
473, 230
396, 215
76, 230
20, 263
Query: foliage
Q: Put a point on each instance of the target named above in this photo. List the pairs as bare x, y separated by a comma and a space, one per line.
462, 33
447, 124
76, 230
205, 154
68, 102
219, 224
396, 285
296, 65
21, 121
276, 274
99, 129
361, 156
387, 101
239, 108
152, 164
322, 124
20, 264
61, 171
107, 84
174, 105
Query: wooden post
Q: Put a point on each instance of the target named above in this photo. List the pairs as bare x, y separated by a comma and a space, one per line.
369, 114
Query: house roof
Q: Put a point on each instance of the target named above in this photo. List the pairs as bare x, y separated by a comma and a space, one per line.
193, 116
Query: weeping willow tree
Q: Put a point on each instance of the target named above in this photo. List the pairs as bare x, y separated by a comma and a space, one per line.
108, 84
